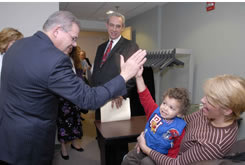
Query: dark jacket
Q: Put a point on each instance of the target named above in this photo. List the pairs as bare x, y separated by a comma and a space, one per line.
111, 67
34, 74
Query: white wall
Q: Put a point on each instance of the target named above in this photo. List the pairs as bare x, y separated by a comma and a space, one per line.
216, 38
27, 17
145, 26
147, 34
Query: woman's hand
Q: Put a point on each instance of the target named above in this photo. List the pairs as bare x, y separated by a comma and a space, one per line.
142, 144
137, 148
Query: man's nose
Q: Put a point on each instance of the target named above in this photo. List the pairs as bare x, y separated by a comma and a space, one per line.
74, 44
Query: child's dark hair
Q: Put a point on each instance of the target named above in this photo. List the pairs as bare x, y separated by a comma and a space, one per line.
180, 94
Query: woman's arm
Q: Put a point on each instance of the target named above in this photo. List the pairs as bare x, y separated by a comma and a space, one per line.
197, 152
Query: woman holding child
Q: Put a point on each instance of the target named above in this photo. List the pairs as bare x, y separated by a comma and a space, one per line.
211, 131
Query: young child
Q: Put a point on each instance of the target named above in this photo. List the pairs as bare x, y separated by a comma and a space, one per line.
164, 123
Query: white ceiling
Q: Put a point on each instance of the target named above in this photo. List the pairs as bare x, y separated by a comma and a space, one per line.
96, 11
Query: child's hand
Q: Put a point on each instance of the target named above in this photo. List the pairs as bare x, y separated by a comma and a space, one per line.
139, 73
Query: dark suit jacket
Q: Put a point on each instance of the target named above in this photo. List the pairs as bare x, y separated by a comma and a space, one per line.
111, 67
34, 74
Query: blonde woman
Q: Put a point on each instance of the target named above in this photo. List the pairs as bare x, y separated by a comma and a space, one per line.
86, 66
211, 131
7, 37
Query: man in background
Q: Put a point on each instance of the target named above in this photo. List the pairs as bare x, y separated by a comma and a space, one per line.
107, 66
107, 60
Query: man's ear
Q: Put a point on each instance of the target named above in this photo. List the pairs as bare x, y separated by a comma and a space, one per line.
55, 31
107, 25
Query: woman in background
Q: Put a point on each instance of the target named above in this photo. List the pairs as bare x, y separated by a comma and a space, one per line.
86, 65
7, 37
69, 123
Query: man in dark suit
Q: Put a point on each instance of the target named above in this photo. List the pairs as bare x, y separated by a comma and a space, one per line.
110, 68
107, 66
35, 72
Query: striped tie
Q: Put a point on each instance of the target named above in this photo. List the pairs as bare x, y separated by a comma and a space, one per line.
106, 53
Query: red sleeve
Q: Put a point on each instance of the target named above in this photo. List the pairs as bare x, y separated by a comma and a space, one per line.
147, 102
173, 152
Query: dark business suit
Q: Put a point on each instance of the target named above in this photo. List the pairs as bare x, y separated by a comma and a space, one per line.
111, 67
109, 70
34, 74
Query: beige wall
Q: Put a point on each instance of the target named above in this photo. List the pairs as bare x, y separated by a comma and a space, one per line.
127, 33
89, 41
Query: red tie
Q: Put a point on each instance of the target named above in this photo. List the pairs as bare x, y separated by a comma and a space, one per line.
106, 53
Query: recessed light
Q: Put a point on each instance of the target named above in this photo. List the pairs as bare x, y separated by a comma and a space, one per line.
109, 12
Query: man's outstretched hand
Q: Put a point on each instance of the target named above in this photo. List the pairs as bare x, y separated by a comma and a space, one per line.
130, 68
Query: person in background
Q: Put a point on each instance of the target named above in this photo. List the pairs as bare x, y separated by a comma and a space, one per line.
107, 64
211, 131
86, 66
69, 127
87, 60
7, 37
36, 72
86, 73
107, 59
164, 123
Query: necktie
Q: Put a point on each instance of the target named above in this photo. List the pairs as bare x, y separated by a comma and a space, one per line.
106, 53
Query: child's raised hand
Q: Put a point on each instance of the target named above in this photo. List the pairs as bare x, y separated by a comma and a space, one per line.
139, 73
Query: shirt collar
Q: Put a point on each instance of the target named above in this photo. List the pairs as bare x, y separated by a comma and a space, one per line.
115, 41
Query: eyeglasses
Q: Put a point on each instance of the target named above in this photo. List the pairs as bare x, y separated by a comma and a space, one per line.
73, 39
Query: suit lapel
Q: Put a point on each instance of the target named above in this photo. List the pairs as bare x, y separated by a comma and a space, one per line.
116, 48
118, 45
102, 50
114, 52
